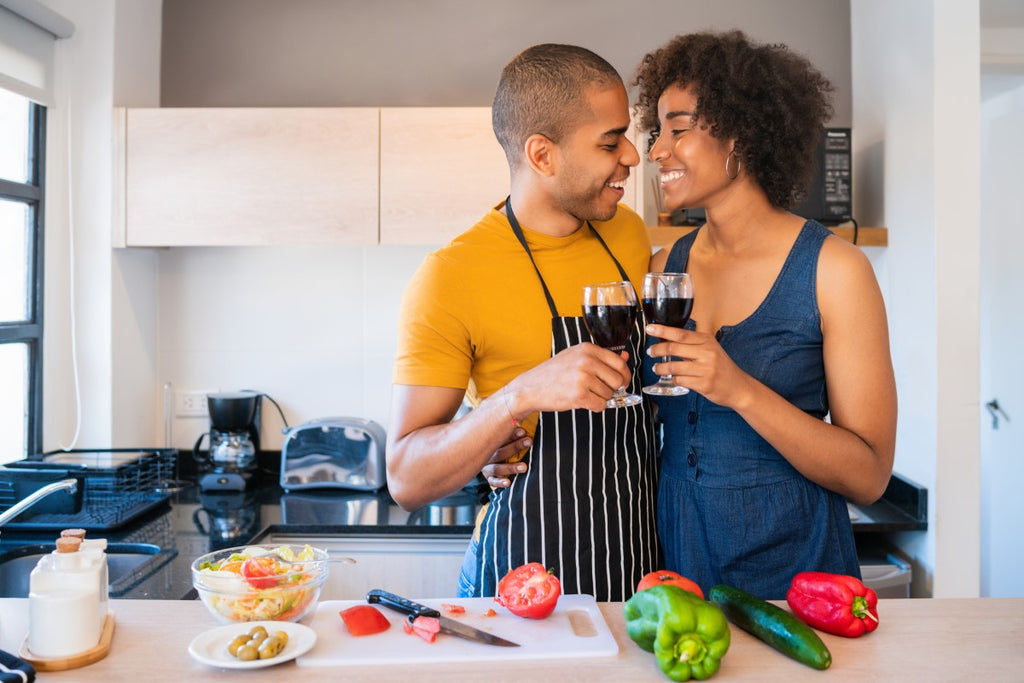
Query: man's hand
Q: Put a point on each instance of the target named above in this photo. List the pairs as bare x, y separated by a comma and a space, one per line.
581, 376
504, 463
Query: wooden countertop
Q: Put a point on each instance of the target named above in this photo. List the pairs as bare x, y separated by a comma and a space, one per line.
918, 639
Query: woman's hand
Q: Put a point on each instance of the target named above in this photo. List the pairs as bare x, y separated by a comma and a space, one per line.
504, 462
705, 366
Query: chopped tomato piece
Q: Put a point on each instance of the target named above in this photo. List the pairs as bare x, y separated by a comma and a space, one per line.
364, 620
426, 628
529, 591
453, 609
490, 613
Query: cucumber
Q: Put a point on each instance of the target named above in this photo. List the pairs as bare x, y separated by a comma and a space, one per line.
773, 625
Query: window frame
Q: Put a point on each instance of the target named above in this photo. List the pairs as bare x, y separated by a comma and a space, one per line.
30, 331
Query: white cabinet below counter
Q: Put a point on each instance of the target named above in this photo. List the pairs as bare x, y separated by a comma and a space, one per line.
241, 176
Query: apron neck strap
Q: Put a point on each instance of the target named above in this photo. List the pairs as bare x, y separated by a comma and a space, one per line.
518, 232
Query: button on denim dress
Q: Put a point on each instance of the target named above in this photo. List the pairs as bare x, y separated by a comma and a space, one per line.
731, 509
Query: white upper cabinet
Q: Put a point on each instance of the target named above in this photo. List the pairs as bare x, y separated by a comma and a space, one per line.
250, 176
298, 176
441, 170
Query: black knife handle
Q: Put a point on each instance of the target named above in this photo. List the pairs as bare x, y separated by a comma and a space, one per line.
404, 605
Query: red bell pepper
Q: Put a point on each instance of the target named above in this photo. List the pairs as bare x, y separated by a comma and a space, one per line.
834, 603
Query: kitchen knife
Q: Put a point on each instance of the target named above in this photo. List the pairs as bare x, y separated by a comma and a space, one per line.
448, 625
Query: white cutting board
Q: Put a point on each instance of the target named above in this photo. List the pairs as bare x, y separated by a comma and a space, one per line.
553, 637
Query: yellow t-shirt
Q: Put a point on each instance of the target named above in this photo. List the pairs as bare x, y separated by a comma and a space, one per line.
474, 315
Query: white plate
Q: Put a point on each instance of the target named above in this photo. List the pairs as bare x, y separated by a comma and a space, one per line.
211, 647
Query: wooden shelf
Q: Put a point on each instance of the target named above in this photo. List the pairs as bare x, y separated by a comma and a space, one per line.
665, 235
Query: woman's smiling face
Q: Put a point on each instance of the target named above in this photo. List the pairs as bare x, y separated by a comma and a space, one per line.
692, 163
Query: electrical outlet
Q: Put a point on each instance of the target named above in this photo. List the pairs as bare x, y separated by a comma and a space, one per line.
191, 404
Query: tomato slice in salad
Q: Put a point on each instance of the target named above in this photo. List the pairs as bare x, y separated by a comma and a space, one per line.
529, 591
260, 572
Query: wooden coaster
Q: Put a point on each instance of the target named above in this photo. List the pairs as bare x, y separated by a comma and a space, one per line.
73, 661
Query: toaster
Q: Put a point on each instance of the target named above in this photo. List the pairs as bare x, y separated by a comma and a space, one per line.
334, 452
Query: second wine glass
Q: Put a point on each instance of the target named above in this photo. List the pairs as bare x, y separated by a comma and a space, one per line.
667, 300
609, 310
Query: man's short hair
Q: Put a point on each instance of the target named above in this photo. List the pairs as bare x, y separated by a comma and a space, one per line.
543, 90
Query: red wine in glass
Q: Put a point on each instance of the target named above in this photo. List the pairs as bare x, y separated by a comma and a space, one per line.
609, 311
667, 311
667, 300
610, 324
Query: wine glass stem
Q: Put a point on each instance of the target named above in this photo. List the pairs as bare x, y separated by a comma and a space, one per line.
666, 380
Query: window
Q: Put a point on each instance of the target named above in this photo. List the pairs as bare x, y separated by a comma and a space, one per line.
22, 134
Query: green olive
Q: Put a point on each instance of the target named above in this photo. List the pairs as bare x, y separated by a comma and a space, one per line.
271, 647
257, 638
238, 642
247, 653
258, 631
283, 635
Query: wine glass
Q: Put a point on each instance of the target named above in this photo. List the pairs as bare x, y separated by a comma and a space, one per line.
609, 310
667, 300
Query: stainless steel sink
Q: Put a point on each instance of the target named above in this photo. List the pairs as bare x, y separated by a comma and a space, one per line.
127, 565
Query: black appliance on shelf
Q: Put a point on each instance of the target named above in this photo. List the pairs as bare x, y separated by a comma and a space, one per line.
830, 197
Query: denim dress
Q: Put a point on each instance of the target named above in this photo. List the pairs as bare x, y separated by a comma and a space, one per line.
731, 509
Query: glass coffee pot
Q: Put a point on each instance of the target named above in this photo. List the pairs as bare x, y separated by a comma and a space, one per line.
230, 461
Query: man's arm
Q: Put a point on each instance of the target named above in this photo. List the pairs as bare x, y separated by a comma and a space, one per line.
430, 456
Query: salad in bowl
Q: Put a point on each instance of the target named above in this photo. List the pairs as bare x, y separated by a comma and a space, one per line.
255, 583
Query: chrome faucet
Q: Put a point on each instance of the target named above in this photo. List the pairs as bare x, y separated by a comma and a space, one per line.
28, 501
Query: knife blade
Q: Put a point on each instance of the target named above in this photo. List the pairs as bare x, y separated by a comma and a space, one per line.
448, 625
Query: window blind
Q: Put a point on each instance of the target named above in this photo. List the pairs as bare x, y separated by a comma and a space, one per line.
28, 30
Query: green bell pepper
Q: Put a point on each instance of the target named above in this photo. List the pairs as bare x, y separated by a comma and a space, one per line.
687, 635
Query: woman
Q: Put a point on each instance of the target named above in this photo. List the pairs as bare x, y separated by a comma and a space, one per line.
792, 403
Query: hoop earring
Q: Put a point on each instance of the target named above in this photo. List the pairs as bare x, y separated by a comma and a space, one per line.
739, 166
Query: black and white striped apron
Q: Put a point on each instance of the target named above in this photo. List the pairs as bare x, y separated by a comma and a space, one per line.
585, 508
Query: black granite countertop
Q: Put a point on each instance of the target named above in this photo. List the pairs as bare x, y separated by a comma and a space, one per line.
191, 523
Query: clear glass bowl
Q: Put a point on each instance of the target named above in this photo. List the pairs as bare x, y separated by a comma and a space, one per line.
267, 589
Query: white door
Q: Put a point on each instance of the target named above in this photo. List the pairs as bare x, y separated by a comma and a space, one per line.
1002, 335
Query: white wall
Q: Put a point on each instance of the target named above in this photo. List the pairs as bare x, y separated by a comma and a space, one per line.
313, 327
77, 315
915, 89
1002, 366
99, 319
135, 389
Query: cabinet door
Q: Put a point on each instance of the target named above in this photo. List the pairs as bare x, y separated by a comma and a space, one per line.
441, 170
225, 176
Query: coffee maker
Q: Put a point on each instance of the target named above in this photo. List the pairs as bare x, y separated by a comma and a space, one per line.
230, 464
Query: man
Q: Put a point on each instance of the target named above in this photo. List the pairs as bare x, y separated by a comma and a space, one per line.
494, 316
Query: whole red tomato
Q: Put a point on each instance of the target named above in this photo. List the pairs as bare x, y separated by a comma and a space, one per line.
664, 576
529, 591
